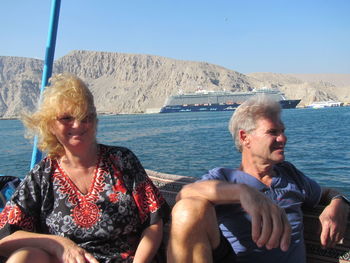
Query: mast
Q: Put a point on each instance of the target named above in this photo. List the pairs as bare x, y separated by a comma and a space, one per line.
48, 65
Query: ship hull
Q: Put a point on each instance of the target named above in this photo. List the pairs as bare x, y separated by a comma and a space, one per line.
285, 104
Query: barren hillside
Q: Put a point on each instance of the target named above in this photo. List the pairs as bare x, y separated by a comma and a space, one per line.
128, 83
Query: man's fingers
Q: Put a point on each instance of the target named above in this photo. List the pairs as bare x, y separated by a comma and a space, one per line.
256, 227
266, 229
333, 223
277, 229
286, 235
332, 236
335, 239
271, 228
335, 235
325, 236
281, 232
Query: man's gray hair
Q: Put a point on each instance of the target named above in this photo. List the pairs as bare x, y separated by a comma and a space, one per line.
247, 114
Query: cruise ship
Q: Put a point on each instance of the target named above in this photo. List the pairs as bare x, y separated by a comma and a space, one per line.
203, 100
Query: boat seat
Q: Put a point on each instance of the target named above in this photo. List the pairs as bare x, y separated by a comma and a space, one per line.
8, 185
170, 185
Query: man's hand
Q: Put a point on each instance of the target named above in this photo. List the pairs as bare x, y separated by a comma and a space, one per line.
270, 226
333, 222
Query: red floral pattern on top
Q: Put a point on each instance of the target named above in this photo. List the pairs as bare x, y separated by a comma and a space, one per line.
85, 212
12, 214
118, 188
147, 198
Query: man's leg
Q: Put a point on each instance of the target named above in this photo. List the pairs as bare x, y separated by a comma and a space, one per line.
194, 232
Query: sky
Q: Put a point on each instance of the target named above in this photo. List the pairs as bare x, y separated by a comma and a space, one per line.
280, 36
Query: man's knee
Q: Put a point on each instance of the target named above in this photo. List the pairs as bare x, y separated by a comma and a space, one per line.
194, 231
192, 211
195, 218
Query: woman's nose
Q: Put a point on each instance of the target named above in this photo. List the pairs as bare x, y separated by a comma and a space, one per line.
76, 123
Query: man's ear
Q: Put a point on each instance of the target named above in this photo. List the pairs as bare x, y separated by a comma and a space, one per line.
243, 137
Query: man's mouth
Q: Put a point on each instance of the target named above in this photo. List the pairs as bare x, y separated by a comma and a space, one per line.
279, 148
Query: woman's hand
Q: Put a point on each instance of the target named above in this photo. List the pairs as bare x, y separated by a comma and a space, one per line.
68, 252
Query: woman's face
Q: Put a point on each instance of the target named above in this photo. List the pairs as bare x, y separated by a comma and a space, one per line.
74, 134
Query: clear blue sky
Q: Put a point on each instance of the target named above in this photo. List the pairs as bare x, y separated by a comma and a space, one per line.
282, 36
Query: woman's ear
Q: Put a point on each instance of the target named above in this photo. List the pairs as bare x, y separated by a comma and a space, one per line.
51, 127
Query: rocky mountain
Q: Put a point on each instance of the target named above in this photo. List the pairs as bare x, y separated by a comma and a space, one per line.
127, 83
19, 84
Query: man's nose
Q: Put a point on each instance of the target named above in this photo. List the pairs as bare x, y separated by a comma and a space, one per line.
282, 137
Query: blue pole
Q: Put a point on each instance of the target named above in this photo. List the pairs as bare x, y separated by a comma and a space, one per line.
48, 65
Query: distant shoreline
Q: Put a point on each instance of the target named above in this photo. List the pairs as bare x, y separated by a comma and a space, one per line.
98, 114
148, 113
9, 118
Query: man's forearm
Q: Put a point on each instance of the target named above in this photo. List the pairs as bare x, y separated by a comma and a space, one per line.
214, 191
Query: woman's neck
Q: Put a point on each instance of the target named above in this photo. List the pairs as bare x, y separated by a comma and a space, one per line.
85, 159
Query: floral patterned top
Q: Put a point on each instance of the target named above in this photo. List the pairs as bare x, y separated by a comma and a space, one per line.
107, 221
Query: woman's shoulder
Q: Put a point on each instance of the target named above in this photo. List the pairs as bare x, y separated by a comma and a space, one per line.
44, 164
42, 169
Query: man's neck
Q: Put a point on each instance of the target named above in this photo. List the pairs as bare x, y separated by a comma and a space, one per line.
262, 171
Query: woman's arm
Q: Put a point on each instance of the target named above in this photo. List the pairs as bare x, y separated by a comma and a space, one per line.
150, 242
60, 247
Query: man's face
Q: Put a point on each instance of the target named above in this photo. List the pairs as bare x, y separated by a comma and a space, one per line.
266, 143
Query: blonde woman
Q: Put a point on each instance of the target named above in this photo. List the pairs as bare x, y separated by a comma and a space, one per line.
84, 202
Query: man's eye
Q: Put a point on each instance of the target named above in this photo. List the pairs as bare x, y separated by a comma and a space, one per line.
276, 132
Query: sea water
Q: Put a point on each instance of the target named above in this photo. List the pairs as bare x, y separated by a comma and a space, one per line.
193, 143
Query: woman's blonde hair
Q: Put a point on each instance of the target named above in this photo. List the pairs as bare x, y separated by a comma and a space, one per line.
65, 94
